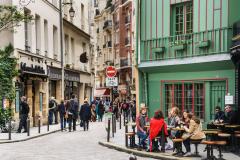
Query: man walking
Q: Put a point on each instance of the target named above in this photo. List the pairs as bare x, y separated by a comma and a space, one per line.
52, 110
74, 109
85, 114
24, 110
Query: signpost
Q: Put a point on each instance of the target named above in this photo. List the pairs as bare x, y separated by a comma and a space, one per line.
111, 82
111, 71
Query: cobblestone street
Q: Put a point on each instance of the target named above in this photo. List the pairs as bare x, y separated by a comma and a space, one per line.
77, 145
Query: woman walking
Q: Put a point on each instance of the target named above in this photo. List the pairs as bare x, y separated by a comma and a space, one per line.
62, 113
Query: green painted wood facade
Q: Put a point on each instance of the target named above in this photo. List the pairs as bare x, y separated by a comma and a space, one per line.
211, 35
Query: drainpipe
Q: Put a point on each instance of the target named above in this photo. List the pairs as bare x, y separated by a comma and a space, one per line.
146, 88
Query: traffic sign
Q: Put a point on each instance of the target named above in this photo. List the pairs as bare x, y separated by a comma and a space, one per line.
111, 71
111, 82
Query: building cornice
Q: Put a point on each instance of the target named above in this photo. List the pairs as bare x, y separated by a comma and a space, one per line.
76, 29
51, 5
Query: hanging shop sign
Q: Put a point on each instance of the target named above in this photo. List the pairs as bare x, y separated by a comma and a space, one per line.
72, 76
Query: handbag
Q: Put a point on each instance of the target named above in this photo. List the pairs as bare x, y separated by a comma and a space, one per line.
81, 124
186, 136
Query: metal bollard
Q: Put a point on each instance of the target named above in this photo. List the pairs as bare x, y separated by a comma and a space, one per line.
108, 131
48, 124
120, 122
28, 127
115, 124
124, 118
39, 125
126, 137
112, 125
9, 129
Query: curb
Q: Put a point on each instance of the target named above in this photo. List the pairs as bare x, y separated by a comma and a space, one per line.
29, 138
162, 156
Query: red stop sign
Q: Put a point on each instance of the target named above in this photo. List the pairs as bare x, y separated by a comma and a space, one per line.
111, 71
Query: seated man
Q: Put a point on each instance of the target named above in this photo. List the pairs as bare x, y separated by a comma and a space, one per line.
141, 121
219, 115
231, 116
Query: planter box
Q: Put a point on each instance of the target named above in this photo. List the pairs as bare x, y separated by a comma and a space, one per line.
204, 44
180, 47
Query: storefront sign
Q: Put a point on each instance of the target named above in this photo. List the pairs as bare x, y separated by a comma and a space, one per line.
17, 101
111, 82
55, 73
32, 68
41, 101
72, 76
229, 99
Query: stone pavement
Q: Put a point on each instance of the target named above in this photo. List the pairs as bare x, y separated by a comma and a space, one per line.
77, 145
18, 137
119, 140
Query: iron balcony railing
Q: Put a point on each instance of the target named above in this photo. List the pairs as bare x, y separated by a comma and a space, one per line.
127, 19
209, 42
109, 44
107, 24
127, 41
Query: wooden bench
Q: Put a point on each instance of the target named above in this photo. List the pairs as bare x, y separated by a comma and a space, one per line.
177, 143
130, 135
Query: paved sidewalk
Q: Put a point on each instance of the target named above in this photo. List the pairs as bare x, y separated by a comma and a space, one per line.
18, 137
118, 143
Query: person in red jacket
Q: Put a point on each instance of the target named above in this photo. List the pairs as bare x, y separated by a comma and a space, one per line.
157, 123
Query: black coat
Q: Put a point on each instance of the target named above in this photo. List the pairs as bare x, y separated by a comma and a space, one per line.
232, 118
24, 108
85, 112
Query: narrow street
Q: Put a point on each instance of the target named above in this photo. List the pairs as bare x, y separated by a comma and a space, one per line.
77, 145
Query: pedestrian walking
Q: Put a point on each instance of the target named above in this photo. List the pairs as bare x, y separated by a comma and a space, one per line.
24, 111
74, 106
85, 114
52, 111
101, 110
133, 110
62, 113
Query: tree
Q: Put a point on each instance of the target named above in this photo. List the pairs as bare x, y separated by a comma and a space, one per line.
11, 17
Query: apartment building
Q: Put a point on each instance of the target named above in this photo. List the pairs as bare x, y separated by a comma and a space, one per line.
184, 54
115, 45
37, 47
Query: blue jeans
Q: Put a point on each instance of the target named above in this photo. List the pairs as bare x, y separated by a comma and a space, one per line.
50, 116
62, 121
142, 137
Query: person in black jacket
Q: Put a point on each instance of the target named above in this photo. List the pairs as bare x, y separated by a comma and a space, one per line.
85, 114
62, 113
24, 110
231, 116
219, 115
74, 110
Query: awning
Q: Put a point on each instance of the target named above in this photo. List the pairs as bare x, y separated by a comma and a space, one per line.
105, 92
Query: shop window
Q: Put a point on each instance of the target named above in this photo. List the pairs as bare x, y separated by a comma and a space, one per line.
186, 96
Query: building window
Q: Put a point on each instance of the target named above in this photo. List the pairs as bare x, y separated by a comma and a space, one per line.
66, 49
186, 96
182, 19
28, 32
46, 37
38, 33
55, 42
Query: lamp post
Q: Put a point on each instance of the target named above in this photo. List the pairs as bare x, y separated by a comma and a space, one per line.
71, 13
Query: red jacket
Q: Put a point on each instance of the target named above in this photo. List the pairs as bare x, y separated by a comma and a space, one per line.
156, 126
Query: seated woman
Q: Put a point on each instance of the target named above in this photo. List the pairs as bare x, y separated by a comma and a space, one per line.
157, 124
141, 121
193, 132
174, 120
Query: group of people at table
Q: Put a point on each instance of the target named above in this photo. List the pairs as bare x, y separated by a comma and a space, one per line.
187, 127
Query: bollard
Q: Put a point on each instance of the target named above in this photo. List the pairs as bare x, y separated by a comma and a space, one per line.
9, 129
163, 140
115, 124
124, 118
39, 125
48, 124
28, 127
108, 131
120, 122
112, 125
126, 137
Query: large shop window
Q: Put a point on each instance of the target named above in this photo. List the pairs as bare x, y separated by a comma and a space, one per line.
186, 96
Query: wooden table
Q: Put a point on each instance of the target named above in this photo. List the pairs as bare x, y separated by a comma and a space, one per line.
232, 130
210, 133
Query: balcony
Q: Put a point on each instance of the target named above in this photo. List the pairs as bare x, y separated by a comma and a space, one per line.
104, 46
107, 25
116, 25
127, 41
188, 45
127, 20
124, 63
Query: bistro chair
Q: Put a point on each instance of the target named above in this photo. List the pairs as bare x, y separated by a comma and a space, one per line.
177, 143
219, 144
130, 136
225, 137
209, 147
196, 142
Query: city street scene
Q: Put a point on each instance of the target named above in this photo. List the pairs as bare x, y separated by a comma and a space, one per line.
119, 79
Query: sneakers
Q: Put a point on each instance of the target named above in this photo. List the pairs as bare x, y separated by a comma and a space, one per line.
168, 147
187, 154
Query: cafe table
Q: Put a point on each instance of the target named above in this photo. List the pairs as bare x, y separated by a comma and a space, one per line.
232, 129
211, 133
133, 125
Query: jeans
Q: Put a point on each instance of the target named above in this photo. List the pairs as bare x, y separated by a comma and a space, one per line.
70, 119
100, 117
56, 116
187, 145
143, 136
85, 124
23, 122
62, 121
50, 116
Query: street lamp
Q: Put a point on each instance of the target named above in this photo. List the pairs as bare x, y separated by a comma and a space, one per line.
71, 13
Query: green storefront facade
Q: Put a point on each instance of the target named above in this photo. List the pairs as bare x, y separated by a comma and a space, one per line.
183, 54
